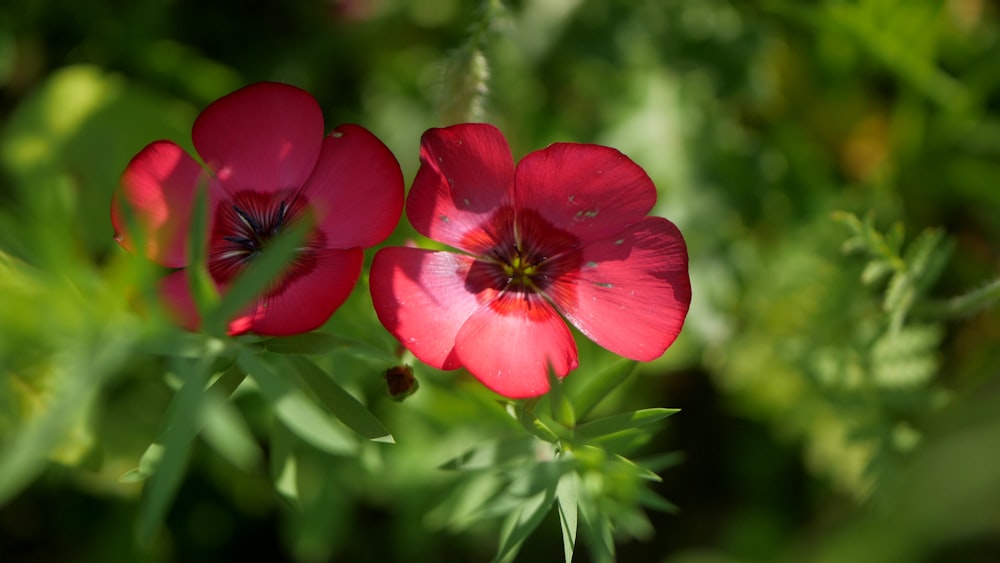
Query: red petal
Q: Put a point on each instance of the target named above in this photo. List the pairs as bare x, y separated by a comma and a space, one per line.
306, 301
159, 184
179, 302
356, 189
510, 344
263, 137
588, 190
423, 300
466, 173
632, 292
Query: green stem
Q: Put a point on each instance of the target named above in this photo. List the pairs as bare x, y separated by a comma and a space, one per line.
962, 305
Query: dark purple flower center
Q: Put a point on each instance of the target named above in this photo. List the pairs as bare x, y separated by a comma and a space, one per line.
522, 253
246, 223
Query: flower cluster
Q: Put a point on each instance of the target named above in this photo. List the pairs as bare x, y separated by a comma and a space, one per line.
563, 235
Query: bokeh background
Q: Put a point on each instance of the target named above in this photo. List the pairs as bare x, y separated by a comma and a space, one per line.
832, 409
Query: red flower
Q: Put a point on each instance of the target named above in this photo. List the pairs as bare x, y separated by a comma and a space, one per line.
267, 166
564, 232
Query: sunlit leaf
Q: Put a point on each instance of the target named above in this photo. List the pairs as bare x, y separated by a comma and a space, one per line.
338, 401
227, 433
302, 416
566, 497
585, 393
525, 412
562, 408
283, 463
491, 453
620, 422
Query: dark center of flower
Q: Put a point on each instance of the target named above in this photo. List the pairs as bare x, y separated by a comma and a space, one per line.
247, 223
254, 233
523, 254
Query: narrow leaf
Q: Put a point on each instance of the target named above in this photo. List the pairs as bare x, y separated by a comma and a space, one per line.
586, 392
227, 433
522, 523
307, 343
179, 429
620, 422
301, 415
525, 411
567, 503
338, 401
491, 454
203, 290
284, 465
649, 499
562, 408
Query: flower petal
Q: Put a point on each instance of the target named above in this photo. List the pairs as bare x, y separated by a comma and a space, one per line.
423, 299
356, 189
587, 190
263, 137
159, 185
510, 344
466, 173
306, 301
632, 292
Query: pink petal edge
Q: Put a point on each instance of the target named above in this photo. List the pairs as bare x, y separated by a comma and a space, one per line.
159, 184
511, 343
632, 292
420, 296
466, 173
590, 191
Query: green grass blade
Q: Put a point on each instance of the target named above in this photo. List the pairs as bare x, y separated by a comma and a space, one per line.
338, 401
301, 415
180, 426
621, 422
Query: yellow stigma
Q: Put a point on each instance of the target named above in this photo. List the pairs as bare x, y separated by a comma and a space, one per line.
519, 271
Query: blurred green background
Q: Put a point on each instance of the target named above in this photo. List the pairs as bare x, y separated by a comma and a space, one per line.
835, 406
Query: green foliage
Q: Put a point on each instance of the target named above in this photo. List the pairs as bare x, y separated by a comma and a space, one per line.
876, 368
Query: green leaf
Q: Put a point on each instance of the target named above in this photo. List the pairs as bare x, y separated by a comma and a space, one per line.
651, 500
463, 501
523, 522
619, 422
227, 433
283, 463
491, 454
302, 416
203, 289
587, 392
875, 271
525, 411
338, 401
180, 427
595, 523
307, 343
562, 408
566, 497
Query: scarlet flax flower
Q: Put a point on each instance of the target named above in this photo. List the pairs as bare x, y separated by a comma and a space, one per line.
266, 165
564, 234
